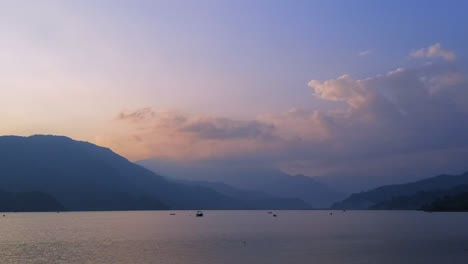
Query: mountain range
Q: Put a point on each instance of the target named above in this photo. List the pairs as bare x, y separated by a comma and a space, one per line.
418, 200
408, 196
56, 173
83, 176
254, 199
245, 176
449, 203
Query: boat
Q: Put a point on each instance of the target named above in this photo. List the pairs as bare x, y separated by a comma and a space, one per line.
199, 214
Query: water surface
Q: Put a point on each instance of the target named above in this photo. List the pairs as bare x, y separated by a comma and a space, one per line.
235, 237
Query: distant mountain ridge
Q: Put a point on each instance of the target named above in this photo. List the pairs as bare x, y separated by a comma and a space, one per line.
247, 177
254, 199
424, 190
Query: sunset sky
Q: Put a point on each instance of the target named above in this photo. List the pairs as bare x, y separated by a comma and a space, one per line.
315, 87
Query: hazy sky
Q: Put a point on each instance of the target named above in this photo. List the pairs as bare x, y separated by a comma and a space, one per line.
320, 87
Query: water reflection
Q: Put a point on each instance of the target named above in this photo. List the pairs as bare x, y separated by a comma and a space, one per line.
234, 237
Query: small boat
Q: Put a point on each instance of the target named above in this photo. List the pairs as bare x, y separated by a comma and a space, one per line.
199, 214
172, 213
274, 215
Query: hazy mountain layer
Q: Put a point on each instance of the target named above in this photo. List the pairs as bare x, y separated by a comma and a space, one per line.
254, 199
250, 177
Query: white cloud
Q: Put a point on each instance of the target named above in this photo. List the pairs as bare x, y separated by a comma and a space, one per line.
434, 51
364, 52
344, 88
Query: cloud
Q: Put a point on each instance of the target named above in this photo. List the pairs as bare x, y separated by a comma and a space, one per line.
345, 89
403, 115
434, 51
204, 127
401, 111
138, 115
300, 125
404, 112
175, 135
223, 128
364, 52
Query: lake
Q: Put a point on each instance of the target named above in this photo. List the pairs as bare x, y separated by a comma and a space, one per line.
235, 237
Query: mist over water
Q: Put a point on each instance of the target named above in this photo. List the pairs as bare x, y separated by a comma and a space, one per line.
235, 237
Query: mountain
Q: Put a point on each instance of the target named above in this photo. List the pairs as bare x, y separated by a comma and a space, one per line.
254, 199
29, 202
83, 176
454, 203
417, 200
250, 177
413, 191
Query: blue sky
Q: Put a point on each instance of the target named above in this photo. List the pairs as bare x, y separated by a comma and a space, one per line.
275, 47
267, 49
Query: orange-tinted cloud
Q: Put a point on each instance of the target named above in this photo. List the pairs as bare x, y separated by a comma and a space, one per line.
390, 114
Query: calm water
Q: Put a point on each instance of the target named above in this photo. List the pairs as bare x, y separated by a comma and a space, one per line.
292, 237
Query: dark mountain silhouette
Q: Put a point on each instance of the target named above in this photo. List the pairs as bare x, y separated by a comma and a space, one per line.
254, 199
453, 203
249, 177
418, 200
29, 202
83, 176
368, 199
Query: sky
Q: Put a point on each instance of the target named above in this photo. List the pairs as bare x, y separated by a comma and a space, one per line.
370, 90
